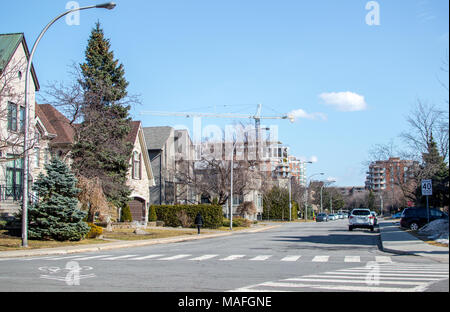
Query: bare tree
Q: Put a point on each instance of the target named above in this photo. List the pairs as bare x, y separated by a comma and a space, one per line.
426, 121
11, 99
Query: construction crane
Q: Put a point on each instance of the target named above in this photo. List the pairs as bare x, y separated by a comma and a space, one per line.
257, 117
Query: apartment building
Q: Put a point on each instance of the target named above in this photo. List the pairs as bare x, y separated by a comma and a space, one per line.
386, 174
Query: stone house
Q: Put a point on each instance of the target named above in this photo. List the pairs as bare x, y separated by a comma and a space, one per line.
14, 56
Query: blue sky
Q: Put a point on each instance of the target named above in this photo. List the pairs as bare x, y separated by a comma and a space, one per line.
288, 55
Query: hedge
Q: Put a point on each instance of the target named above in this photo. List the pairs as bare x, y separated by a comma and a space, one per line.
212, 214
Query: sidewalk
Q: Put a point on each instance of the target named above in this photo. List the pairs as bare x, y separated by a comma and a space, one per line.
398, 241
122, 244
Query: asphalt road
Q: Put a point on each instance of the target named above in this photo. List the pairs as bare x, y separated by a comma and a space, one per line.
298, 257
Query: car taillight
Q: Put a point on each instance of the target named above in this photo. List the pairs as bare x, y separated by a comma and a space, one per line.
351, 217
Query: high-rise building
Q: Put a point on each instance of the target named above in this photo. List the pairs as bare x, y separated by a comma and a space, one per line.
386, 174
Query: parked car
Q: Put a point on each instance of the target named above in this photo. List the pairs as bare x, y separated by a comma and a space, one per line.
397, 215
322, 217
332, 216
415, 217
374, 214
340, 215
361, 218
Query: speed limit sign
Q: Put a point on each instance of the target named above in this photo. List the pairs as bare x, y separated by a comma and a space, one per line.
427, 188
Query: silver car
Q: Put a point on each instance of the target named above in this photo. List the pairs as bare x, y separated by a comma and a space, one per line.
361, 218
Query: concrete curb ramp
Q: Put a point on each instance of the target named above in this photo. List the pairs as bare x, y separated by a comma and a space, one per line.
119, 245
397, 241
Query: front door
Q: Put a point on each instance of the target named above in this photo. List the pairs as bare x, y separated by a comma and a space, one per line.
14, 178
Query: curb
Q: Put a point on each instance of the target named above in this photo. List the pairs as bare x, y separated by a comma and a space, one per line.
120, 245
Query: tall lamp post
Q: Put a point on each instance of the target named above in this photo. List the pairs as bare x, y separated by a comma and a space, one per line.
231, 175
109, 6
306, 193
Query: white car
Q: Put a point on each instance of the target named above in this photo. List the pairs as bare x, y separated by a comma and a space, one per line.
361, 218
332, 217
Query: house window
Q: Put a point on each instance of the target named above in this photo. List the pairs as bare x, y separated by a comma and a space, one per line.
136, 166
12, 116
37, 156
22, 118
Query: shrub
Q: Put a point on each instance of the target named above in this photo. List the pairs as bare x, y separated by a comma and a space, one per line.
152, 216
126, 214
95, 231
169, 214
185, 220
237, 221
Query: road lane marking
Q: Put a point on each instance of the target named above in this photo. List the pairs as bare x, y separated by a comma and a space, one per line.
147, 257
290, 258
383, 259
174, 257
260, 258
93, 257
352, 259
204, 257
232, 257
119, 257
321, 259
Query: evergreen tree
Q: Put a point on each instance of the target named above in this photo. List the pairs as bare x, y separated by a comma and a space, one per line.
56, 216
435, 168
101, 149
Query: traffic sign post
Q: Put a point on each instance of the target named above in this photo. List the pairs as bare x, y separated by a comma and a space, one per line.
427, 190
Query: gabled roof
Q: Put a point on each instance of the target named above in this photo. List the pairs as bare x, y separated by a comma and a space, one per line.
56, 123
156, 137
8, 46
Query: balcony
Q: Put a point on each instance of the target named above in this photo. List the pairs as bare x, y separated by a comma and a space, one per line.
13, 193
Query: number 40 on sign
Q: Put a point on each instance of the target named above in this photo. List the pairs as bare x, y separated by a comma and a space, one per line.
427, 188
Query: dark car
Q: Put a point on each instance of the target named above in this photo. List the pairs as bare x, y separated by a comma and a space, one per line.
322, 217
416, 217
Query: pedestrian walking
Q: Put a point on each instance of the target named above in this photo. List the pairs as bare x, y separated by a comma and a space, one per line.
199, 221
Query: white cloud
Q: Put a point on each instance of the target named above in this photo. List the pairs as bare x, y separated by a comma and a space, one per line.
300, 113
313, 159
344, 101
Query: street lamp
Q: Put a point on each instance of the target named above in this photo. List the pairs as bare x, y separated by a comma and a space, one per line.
109, 6
231, 178
306, 193
324, 184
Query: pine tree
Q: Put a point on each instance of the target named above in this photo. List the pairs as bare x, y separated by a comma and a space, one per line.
56, 216
101, 149
435, 168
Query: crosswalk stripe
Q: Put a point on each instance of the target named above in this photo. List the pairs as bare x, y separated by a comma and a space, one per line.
291, 258
174, 257
205, 257
119, 257
93, 257
147, 257
260, 258
352, 259
388, 274
334, 287
353, 281
400, 270
383, 259
401, 277
63, 258
232, 257
320, 258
